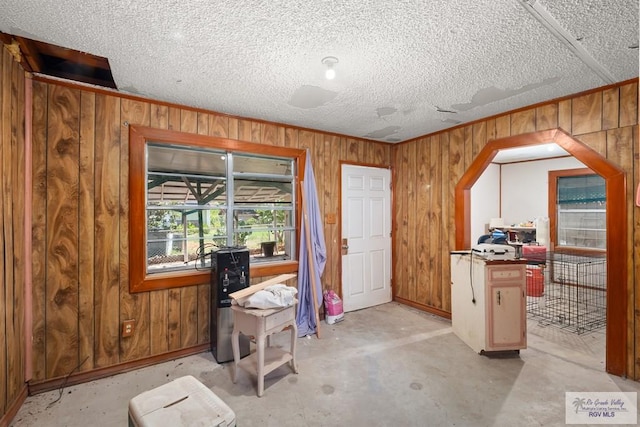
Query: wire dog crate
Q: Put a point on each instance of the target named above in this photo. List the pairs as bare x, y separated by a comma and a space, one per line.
568, 291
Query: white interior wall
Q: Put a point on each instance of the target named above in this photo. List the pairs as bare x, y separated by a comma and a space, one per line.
485, 201
525, 188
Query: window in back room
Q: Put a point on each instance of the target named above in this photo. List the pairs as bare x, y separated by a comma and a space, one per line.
579, 201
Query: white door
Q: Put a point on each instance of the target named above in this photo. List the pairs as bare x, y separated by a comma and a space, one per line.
366, 236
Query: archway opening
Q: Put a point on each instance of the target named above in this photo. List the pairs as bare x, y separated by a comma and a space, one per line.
616, 328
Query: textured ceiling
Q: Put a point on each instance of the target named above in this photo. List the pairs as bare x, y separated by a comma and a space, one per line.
399, 61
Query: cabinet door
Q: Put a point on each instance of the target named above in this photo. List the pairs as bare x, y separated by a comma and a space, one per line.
506, 310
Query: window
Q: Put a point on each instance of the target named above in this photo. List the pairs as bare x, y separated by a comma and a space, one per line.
191, 194
578, 210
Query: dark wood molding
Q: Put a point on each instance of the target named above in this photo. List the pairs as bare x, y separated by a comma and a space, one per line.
14, 407
617, 251
423, 307
95, 374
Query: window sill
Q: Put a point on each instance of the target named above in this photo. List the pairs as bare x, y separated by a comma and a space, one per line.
174, 279
576, 250
273, 269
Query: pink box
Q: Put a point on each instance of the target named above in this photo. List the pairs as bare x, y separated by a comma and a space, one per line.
332, 303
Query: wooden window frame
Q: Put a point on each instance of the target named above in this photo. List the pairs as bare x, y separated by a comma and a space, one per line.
553, 213
139, 280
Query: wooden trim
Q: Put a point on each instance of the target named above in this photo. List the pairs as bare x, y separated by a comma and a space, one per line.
284, 267
571, 250
475, 170
616, 330
616, 355
141, 134
528, 161
364, 164
28, 220
423, 307
86, 376
527, 108
114, 92
12, 410
137, 222
5, 38
140, 281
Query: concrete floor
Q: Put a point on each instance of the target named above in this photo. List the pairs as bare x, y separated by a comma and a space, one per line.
389, 365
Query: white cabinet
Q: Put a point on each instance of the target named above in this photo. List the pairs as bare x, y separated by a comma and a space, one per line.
488, 302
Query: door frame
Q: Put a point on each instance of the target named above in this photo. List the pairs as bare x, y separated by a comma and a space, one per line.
617, 251
391, 208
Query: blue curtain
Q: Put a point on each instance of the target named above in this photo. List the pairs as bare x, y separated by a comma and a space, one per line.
306, 318
581, 189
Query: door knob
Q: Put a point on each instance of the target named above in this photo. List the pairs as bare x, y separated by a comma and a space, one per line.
345, 246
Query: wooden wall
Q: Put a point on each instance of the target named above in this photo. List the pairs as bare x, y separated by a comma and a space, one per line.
12, 259
428, 168
80, 226
80, 221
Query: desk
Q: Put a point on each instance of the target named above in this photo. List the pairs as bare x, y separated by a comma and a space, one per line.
261, 324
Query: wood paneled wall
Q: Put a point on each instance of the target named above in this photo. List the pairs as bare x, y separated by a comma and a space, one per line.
12, 257
80, 220
428, 168
80, 225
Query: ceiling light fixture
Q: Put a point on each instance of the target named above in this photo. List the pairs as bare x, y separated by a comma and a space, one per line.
329, 61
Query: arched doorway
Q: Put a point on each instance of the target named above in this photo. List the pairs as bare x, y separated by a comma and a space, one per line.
616, 329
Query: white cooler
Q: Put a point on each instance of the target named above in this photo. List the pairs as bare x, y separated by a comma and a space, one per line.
184, 401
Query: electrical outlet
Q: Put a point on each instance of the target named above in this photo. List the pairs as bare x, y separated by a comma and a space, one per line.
128, 326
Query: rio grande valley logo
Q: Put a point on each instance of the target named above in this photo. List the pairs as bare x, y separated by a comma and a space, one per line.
601, 408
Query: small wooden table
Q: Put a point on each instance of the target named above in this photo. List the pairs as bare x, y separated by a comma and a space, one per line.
261, 324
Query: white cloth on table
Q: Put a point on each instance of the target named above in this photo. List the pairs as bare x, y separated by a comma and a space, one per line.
273, 296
